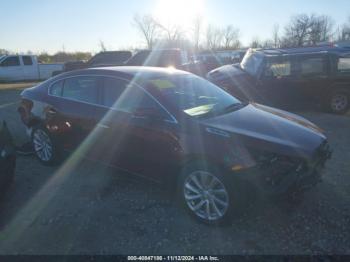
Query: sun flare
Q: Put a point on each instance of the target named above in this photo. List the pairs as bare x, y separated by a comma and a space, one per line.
179, 12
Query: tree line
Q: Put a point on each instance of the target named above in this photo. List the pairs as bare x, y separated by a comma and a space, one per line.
301, 30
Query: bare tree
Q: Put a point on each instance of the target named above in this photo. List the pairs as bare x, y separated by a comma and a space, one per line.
214, 36
197, 30
297, 31
102, 46
275, 36
172, 32
306, 29
4, 51
230, 36
321, 29
148, 27
256, 43
343, 32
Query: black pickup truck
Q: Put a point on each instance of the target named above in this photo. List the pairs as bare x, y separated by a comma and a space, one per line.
169, 58
107, 58
290, 78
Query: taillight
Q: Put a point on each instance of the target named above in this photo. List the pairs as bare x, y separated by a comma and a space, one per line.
24, 109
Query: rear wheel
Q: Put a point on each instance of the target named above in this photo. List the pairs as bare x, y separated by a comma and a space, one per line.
44, 146
339, 102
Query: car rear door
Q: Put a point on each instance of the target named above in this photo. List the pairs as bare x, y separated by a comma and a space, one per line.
277, 84
73, 111
313, 77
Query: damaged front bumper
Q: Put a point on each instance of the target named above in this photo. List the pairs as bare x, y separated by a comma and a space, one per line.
276, 175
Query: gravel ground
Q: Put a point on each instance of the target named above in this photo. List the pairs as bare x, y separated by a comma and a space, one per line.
86, 208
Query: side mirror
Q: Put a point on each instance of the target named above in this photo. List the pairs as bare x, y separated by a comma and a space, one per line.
147, 113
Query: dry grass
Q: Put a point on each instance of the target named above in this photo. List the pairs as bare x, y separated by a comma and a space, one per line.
16, 86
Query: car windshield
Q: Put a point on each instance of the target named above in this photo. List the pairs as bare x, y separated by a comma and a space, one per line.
252, 62
193, 95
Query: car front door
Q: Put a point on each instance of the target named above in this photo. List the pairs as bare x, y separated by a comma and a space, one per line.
11, 69
140, 134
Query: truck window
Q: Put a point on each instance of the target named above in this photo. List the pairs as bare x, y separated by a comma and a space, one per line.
11, 61
344, 65
312, 66
278, 68
27, 60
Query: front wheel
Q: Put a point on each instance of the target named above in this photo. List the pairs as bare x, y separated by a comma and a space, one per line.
206, 194
339, 102
44, 147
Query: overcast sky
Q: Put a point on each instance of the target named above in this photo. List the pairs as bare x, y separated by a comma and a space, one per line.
79, 25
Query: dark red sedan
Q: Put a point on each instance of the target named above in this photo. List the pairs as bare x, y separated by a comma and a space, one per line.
175, 127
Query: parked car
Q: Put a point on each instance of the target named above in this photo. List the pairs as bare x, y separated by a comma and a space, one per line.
7, 158
172, 126
25, 67
290, 78
107, 58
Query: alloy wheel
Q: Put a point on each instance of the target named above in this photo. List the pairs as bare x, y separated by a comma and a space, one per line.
206, 195
42, 145
339, 102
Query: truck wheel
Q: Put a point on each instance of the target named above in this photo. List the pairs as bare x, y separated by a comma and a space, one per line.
206, 194
44, 147
339, 102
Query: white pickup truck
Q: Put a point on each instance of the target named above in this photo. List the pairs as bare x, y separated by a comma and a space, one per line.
25, 67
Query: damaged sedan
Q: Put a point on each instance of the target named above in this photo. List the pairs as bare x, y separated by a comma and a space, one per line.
177, 128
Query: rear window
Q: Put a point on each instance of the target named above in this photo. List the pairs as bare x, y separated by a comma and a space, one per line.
344, 65
312, 66
27, 60
84, 89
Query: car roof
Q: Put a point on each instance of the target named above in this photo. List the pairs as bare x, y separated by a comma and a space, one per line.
334, 49
125, 71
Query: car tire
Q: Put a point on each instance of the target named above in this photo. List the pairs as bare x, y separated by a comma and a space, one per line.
45, 148
339, 102
207, 194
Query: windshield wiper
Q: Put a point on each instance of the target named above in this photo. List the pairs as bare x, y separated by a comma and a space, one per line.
233, 107
225, 110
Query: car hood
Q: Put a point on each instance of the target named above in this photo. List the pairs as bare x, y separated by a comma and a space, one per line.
270, 129
227, 71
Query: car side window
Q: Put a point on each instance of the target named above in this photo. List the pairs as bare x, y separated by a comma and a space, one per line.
343, 66
278, 68
134, 98
312, 66
56, 89
27, 60
112, 90
81, 88
11, 61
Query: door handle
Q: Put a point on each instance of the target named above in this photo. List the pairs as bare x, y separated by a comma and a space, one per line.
52, 111
103, 126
